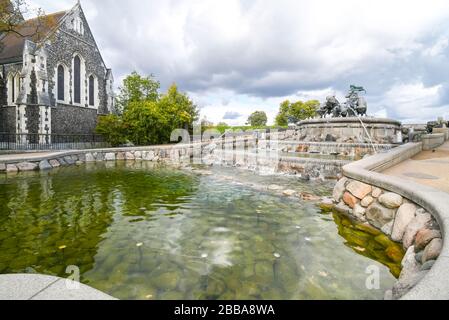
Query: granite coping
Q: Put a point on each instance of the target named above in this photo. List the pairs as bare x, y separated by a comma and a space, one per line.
435, 285
43, 287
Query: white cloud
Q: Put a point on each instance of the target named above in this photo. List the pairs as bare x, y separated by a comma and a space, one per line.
243, 55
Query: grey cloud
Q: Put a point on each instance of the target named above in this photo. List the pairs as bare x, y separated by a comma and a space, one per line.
273, 49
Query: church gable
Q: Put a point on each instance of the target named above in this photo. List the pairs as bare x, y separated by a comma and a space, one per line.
75, 24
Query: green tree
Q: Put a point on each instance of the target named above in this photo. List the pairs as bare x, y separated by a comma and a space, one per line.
257, 119
282, 117
296, 111
111, 127
148, 117
137, 89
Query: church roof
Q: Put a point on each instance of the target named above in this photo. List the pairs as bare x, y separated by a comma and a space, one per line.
12, 44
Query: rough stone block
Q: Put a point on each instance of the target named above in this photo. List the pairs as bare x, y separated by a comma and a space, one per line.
54, 163
432, 250
350, 200
138, 155
378, 215
90, 157
110, 156
424, 236
420, 221
404, 216
11, 168
359, 189
391, 200
45, 165
129, 156
339, 189
27, 166
367, 201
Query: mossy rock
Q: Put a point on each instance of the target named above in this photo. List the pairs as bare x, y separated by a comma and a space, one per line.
168, 280
383, 240
171, 295
395, 253
368, 229
272, 294
228, 295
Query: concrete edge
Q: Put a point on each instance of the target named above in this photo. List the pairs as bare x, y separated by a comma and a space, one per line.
45, 287
435, 285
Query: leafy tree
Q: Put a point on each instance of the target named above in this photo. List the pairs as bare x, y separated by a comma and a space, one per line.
222, 124
111, 127
257, 119
148, 117
282, 117
137, 89
296, 111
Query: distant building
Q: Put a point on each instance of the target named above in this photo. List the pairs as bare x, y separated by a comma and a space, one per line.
57, 83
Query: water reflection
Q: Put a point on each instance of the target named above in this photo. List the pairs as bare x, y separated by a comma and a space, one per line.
139, 232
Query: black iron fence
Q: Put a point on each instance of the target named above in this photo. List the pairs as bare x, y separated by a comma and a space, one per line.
31, 141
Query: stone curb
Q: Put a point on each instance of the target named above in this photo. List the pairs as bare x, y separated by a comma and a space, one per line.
44, 287
435, 285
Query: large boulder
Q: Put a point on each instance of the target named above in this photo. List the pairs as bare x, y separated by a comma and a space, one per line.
404, 216
424, 236
359, 212
391, 200
45, 165
339, 189
378, 215
110, 156
359, 189
367, 201
376, 192
433, 250
54, 163
349, 199
129, 156
2, 167
27, 166
90, 157
11, 168
420, 221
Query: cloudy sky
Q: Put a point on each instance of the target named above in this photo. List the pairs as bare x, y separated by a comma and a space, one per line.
234, 57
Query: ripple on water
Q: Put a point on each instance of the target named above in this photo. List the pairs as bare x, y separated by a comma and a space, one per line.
153, 232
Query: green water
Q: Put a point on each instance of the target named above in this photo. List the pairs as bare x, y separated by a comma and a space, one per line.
142, 232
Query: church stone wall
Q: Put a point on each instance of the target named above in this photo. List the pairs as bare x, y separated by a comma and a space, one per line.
7, 119
67, 119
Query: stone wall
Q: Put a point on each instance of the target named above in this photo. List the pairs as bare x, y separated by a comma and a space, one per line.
401, 220
417, 284
350, 150
7, 119
68, 119
349, 130
157, 154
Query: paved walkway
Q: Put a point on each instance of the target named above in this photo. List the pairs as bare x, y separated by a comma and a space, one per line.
427, 168
40, 287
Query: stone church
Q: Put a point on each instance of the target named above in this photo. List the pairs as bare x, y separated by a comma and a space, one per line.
56, 82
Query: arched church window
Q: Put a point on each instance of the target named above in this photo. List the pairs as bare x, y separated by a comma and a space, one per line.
61, 83
91, 90
77, 79
13, 87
